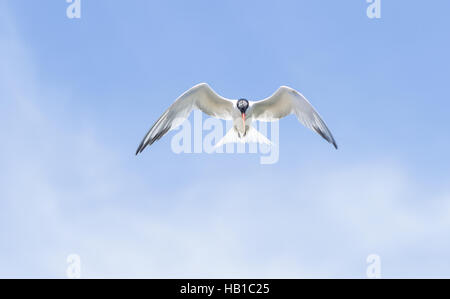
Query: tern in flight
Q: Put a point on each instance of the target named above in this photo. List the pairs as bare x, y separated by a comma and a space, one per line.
283, 102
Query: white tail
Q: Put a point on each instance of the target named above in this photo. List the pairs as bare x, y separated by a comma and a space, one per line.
252, 136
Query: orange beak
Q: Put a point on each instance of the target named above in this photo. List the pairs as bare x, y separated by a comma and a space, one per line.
243, 119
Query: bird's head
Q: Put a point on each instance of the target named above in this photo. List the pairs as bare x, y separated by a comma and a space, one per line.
242, 105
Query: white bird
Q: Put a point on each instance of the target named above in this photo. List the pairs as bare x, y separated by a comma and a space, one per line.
283, 102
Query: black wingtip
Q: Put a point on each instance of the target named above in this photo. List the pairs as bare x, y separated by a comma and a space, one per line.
140, 148
324, 136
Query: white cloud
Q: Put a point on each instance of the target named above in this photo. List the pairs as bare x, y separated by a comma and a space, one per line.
64, 192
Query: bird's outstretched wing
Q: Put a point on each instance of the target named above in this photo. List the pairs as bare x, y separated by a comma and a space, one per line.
286, 101
200, 97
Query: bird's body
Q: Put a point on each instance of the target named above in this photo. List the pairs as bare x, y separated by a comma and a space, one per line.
283, 102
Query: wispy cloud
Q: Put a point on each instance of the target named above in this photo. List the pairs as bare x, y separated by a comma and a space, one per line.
64, 192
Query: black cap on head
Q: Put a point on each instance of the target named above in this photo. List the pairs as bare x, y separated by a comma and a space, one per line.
242, 105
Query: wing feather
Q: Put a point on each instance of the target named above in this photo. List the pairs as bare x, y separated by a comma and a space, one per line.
286, 101
200, 97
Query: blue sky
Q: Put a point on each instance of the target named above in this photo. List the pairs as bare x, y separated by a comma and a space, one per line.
77, 96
